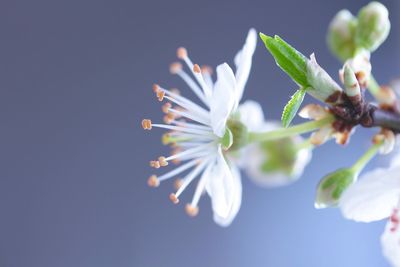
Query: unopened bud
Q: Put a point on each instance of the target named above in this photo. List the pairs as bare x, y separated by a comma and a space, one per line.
373, 26
323, 86
331, 187
361, 66
341, 35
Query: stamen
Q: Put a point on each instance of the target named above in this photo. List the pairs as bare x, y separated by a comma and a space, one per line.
169, 118
160, 95
153, 181
178, 183
174, 198
156, 88
181, 53
175, 91
192, 211
165, 108
196, 68
163, 162
175, 68
206, 70
146, 124
155, 164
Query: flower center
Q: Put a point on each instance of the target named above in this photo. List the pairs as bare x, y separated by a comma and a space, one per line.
239, 134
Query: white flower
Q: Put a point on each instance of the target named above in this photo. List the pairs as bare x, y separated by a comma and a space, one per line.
204, 141
270, 163
375, 197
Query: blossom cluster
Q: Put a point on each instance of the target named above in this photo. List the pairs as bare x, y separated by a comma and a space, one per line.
218, 135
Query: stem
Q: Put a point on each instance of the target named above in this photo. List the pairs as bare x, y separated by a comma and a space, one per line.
373, 86
386, 119
306, 144
363, 161
290, 131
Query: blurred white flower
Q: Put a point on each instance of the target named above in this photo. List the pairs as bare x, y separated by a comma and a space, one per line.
271, 163
204, 142
375, 197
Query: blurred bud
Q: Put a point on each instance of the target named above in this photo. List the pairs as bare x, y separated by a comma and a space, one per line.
361, 66
323, 87
341, 35
277, 163
373, 26
331, 187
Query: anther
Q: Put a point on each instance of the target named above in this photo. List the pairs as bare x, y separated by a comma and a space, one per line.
167, 119
175, 67
196, 68
206, 69
146, 124
155, 164
178, 183
165, 139
156, 88
165, 108
160, 95
181, 53
174, 198
163, 162
191, 210
153, 181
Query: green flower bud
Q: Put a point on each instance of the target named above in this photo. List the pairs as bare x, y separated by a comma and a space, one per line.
331, 187
373, 26
341, 35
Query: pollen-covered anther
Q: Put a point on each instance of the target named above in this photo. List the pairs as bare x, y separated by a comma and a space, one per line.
163, 162
155, 164
196, 68
192, 211
165, 139
342, 138
175, 67
146, 124
165, 108
181, 53
168, 119
178, 183
206, 69
156, 88
153, 181
160, 95
174, 199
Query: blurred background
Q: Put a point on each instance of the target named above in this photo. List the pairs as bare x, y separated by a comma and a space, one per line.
75, 82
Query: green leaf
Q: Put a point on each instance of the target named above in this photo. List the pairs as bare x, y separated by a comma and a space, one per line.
292, 107
287, 58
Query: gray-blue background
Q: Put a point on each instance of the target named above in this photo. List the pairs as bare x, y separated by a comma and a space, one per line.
75, 82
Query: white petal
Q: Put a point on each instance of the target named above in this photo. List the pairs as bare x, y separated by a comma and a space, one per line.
237, 199
223, 99
251, 115
390, 241
243, 60
373, 197
224, 190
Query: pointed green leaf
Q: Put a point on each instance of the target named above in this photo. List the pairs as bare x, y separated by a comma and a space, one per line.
287, 58
292, 107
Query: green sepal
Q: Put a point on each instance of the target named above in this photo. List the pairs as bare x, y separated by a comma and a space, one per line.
227, 139
292, 107
287, 58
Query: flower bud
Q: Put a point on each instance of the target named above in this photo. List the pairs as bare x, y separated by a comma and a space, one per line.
278, 162
341, 35
323, 87
373, 26
361, 66
331, 187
